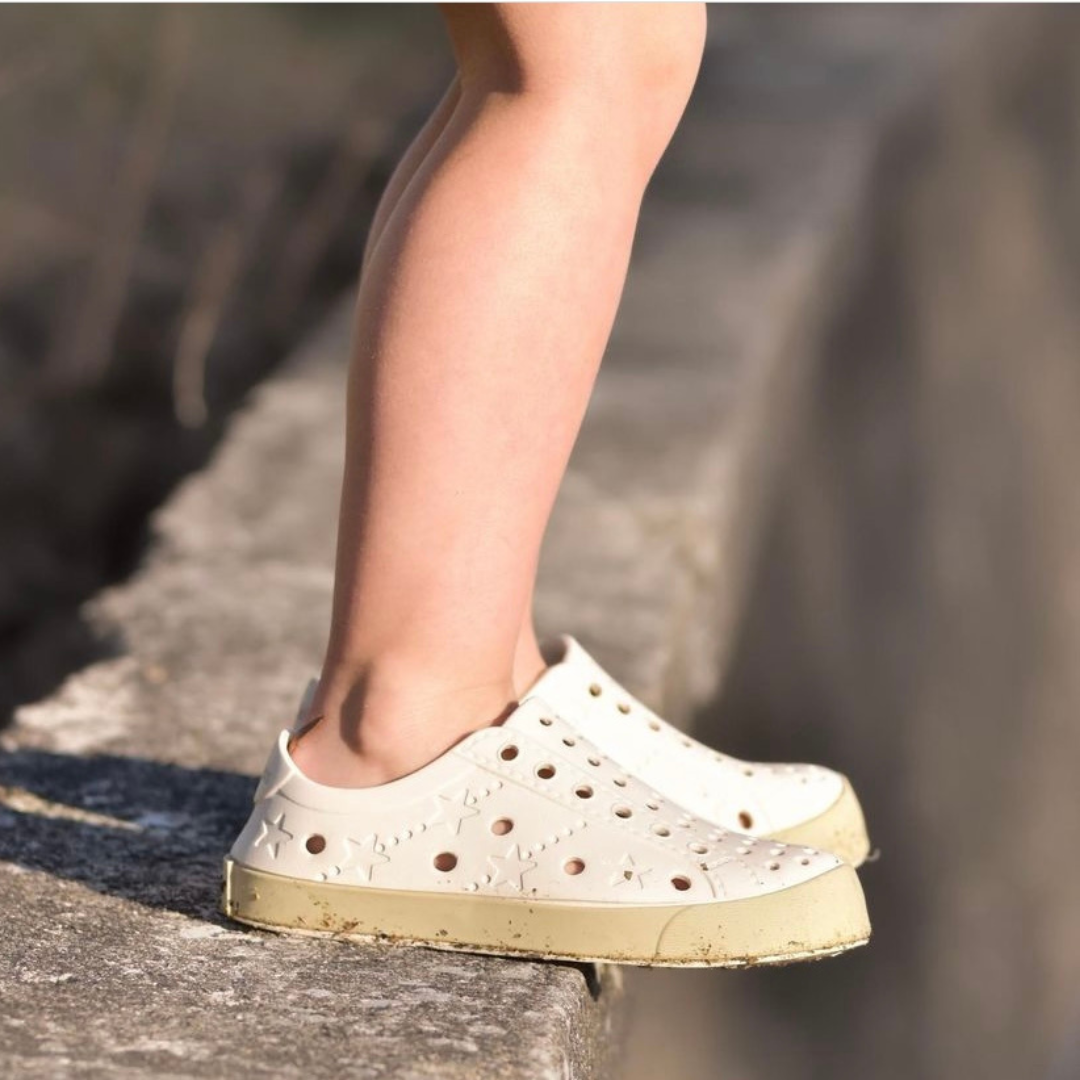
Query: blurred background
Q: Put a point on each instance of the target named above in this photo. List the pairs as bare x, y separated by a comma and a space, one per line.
184, 191
913, 617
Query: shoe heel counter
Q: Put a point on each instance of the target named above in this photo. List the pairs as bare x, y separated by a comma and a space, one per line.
276, 774
279, 768
244, 844
267, 838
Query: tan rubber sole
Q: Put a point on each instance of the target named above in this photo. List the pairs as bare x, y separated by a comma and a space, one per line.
841, 829
819, 918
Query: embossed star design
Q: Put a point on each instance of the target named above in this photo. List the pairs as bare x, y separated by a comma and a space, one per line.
273, 834
362, 857
510, 869
629, 873
451, 811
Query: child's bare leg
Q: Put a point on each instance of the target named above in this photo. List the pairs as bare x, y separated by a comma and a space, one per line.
410, 162
528, 661
481, 321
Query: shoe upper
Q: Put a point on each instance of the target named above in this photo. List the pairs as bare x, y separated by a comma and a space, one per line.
527, 808
748, 796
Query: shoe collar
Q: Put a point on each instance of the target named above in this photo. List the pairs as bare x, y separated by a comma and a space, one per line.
282, 770
570, 672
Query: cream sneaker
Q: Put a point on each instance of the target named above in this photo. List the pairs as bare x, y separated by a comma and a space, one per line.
797, 804
525, 839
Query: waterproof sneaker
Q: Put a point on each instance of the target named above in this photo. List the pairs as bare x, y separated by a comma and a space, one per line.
796, 804
525, 839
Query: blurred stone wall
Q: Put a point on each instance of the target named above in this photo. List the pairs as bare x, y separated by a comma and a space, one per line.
183, 191
915, 613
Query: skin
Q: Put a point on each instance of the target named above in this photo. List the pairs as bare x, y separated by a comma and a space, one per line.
492, 275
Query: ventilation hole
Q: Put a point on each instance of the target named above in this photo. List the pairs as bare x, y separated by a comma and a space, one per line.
501, 826
508, 753
653, 805
619, 781
661, 830
681, 883
569, 742
316, 844
445, 861
687, 743
748, 772
623, 811
804, 862
594, 761
546, 721
623, 708
698, 849
574, 866
654, 725
583, 791
745, 820
774, 866
595, 690
545, 772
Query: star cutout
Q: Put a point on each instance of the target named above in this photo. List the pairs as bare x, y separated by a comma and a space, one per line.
362, 857
629, 872
510, 868
274, 834
452, 811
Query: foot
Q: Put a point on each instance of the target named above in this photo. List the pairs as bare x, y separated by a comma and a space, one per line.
525, 839
798, 804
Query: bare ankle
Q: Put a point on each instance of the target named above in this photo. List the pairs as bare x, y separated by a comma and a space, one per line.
363, 733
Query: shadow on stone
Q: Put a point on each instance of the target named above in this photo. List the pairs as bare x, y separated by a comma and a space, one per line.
140, 830
85, 976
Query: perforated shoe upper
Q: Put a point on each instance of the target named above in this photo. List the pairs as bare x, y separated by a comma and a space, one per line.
741, 795
528, 808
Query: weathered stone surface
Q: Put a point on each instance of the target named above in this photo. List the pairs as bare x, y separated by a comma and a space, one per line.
115, 962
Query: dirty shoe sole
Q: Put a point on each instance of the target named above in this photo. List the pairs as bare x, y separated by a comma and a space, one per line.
524, 838
820, 917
